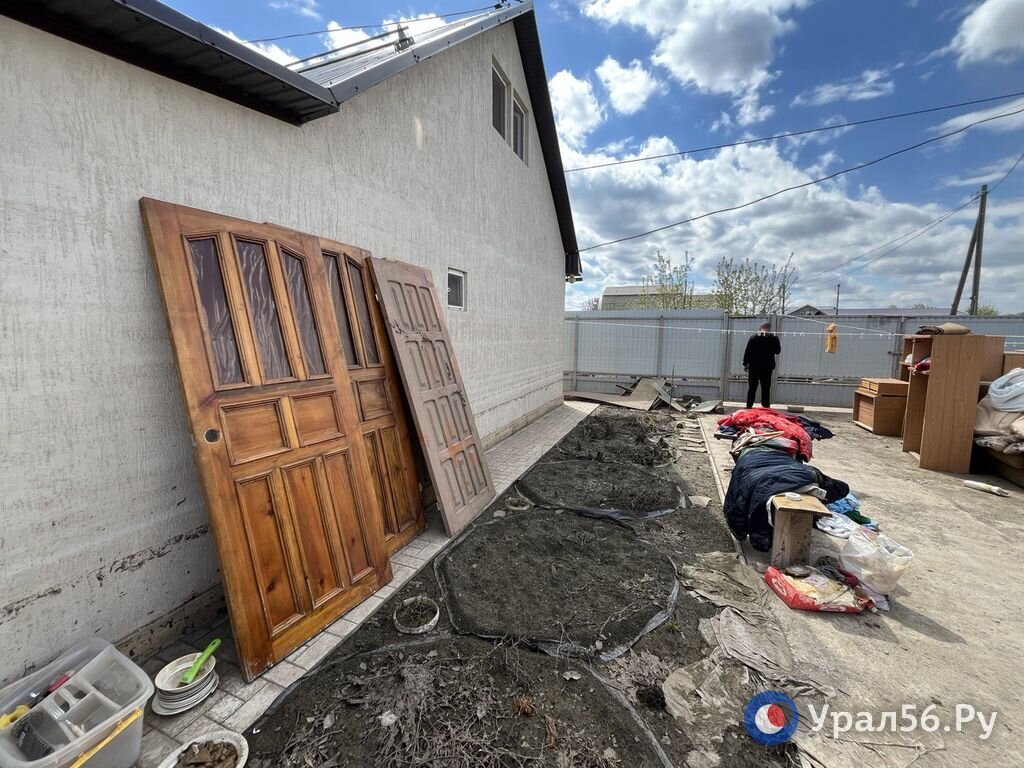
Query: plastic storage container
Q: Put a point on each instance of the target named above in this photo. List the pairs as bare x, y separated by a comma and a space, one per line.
103, 689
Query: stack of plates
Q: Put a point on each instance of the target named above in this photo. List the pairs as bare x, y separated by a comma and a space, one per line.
172, 698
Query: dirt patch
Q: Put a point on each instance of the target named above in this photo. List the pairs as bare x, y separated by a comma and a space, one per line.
617, 434
208, 754
593, 486
560, 578
456, 703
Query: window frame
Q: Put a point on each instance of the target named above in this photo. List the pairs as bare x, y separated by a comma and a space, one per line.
462, 275
517, 104
498, 73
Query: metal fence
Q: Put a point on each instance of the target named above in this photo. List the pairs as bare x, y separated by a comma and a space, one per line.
701, 352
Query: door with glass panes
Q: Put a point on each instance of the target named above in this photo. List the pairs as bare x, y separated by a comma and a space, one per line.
379, 400
288, 479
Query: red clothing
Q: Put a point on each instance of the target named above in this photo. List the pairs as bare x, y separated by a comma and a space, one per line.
775, 421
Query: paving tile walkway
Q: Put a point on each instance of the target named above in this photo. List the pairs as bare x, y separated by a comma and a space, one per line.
236, 704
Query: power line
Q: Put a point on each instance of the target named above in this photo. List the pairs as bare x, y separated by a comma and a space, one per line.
929, 227
374, 26
803, 132
810, 183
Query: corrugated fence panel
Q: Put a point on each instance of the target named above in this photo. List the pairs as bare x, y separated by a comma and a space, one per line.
693, 346
618, 346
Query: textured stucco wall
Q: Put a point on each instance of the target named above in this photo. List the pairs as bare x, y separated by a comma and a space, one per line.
102, 525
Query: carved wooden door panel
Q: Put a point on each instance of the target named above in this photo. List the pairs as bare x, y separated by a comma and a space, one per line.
378, 397
435, 390
277, 439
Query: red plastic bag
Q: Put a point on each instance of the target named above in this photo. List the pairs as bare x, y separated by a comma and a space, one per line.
816, 592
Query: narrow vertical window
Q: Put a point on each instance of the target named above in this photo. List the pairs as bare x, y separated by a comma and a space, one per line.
499, 98
348, 343
302, 308
519, 130
263, 308
456, 289
210, 282
355, 275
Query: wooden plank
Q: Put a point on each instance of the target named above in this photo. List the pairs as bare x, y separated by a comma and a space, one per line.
642, 397
791, 539
435, 390
992, 357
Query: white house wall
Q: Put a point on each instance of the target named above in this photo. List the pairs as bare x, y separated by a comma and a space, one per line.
102, 524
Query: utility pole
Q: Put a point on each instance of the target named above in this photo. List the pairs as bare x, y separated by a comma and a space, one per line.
976, 289
837, 298
973, 254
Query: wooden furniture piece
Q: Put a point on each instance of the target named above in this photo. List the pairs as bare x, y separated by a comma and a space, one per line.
938, 425
793, 521
1012, 360
879, 404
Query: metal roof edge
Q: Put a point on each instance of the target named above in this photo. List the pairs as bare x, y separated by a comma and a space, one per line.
379, 71
88, 23
528, 38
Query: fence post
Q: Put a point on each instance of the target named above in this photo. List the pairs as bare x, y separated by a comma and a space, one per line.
575, 353
658, 367
777, 324
726, 356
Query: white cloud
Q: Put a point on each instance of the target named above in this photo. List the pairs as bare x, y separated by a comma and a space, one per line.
628, 87
307, 8
982, 175
823, 224
270, 50
577, 110
1002, 125
992, 31
869, 84
717, 46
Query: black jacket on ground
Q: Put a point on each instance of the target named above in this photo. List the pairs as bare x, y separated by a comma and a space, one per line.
761, 351
761, 474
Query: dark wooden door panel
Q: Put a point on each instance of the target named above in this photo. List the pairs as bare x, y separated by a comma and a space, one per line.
376, 390
435, 390
278, 439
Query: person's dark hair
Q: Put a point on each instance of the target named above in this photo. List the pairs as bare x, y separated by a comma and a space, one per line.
766, 326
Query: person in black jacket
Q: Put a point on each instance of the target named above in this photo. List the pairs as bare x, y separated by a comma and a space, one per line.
759, 362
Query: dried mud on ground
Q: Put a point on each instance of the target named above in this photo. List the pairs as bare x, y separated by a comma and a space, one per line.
323, 721
589, 585
625, 490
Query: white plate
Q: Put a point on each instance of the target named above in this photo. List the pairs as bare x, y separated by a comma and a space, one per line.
166, 680
167, 709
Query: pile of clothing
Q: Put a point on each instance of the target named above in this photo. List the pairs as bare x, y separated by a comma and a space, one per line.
999, 422
771, 455
846, 517
792, 432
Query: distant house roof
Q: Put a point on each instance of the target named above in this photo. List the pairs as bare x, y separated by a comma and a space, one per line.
869, 311
153, 36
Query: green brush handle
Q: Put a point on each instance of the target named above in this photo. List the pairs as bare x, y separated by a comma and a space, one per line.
189, 676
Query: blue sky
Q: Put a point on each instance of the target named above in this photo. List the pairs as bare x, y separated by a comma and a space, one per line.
630, 78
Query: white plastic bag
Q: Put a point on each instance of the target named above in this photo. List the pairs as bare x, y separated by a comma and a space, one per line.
875, 559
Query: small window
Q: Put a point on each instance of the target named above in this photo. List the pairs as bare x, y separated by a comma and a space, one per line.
519, 129
499, 99
456, 289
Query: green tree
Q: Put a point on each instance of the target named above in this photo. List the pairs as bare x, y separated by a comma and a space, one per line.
668, 287
748, 288
987, 309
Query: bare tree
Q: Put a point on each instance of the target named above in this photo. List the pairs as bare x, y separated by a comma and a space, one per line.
592, 303
668, 287
749, 288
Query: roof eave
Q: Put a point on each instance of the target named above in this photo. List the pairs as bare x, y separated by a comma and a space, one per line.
149, 34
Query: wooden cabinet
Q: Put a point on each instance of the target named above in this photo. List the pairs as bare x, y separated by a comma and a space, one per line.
938, 425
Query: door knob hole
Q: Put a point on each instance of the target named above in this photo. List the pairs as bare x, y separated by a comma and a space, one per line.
212, 435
